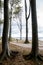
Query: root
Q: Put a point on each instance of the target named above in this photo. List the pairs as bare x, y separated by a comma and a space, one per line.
26, 41
13, 53
40, 57
27, 57
36, 59
4, 55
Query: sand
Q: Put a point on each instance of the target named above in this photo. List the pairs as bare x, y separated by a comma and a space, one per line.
23, 49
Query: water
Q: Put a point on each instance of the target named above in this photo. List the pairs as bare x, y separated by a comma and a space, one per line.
16, 32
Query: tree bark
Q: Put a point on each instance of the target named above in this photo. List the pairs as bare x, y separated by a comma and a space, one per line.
34, 28
10, 24
26, 41
20, 29
5, 48
10, 29
5, 28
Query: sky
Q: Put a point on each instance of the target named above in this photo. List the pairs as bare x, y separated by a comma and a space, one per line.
40, 12
39, 8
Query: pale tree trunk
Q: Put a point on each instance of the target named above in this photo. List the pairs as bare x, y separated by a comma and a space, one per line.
20, 29
10, 30
0, 31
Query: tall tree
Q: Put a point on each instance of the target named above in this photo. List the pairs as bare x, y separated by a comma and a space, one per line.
1, 13
10, 20
5, 46
18, 14
34, 52
13, 4
1, 22
5, 50
26, 41
0, 18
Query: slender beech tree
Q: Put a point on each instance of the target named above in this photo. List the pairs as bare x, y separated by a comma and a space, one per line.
13, 4
0, 18
18, 14
26, 41
34, 52
5, 51
5, 46
10, 30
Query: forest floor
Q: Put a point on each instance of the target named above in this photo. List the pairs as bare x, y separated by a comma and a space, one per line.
18, 59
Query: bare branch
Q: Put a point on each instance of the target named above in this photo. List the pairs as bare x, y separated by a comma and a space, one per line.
29, 13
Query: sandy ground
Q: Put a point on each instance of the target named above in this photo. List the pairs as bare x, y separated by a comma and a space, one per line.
23, 49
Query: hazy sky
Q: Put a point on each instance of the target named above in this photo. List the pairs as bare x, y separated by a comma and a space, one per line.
40, 12
39, 8
39, 4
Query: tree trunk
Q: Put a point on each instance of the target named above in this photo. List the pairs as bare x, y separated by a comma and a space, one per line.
20, 35
5, 28
10, 24
10, 29
0, 31
34, 28
5, 49
26, 32
26, 41
34, 52
20, 29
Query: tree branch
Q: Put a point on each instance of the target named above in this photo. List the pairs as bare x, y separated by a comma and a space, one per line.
29, 13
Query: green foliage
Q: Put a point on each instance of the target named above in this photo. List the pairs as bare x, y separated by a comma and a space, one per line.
15, 6
12, 2
1, 3
16, 1
17, 10
10, 12
1, 21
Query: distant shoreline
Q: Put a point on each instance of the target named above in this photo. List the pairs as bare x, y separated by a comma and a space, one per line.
29, 38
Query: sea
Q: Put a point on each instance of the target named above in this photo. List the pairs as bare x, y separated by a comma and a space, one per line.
16, 31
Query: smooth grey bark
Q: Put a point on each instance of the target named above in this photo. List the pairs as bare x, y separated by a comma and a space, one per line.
34, 28
5, 50
0, 30
5, 27
26, 41
10, 30
20, 29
